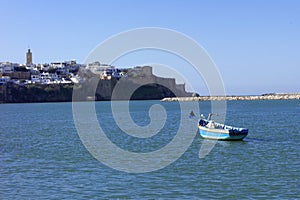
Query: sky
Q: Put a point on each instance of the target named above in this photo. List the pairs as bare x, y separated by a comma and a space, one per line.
254, 44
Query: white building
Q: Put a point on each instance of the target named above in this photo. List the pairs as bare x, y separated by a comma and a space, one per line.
42, 67
8, 67
47, 78
4, 80
56, 65
105, 71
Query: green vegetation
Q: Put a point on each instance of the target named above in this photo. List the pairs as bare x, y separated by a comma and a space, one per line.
39, 93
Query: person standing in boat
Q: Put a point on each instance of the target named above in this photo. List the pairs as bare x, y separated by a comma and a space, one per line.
202, 122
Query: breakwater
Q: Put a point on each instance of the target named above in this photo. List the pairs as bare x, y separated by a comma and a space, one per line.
235, 98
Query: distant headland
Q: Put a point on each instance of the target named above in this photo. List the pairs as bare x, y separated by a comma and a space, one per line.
56, 81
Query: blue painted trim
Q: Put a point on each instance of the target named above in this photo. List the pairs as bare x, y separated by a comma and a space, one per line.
220, 136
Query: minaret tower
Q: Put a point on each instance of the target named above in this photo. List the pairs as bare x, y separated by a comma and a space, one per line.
28, 57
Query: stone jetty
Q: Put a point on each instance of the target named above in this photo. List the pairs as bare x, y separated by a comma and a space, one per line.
272, 96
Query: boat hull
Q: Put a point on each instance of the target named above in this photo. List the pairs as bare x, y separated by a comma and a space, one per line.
221, 134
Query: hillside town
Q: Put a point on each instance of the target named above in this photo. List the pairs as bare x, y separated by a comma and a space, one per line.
65, 72
55, 81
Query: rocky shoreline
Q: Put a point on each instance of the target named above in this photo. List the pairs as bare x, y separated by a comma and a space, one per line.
235, 98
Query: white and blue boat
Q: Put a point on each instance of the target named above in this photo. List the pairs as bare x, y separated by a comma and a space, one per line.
212, 130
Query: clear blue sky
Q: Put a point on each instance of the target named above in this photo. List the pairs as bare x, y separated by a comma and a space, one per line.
255, 43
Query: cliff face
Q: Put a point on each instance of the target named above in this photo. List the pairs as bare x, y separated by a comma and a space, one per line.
149, 86
138, 84
12, 93
129, 89
37, 93
151, 91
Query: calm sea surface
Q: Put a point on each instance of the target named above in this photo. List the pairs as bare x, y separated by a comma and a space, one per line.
42, 157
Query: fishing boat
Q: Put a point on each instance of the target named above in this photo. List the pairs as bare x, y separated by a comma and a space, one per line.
212, 130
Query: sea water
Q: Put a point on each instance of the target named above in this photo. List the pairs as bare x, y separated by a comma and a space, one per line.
42, 156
